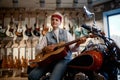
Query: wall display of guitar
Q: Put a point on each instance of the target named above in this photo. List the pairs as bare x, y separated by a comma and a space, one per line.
24, 62
19, 31
29, 28
2, 32
10, 62
17, 63
45, 30
46, 57
4, 59
11, 28
2, 29
36, 30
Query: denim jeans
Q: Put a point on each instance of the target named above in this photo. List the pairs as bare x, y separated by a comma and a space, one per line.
56, 74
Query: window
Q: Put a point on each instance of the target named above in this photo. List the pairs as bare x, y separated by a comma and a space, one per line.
112, 24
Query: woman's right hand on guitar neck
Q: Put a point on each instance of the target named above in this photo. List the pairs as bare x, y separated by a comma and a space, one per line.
49, 48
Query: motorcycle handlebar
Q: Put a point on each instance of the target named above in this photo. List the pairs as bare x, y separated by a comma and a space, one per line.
94, 30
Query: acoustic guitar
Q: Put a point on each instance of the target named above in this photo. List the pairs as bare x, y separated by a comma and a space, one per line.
46, 57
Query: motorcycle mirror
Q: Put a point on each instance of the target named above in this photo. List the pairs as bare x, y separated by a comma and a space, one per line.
89, 14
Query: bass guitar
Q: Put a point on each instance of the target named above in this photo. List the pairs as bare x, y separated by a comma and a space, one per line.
46, 57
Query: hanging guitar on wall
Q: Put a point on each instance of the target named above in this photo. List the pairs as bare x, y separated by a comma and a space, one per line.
44, 26
28, 27
11, 28
19, 31
2, 29
36, 30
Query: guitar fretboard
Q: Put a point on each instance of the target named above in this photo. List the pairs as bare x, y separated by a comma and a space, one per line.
74, 41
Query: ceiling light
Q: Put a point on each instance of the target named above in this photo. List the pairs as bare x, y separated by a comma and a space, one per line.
75, 3
15, 3
58, 3
42, 3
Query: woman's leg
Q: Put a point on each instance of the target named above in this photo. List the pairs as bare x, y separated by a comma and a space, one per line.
59, 69
36, 73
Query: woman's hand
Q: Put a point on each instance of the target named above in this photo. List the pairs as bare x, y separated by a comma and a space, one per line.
49, 48
82, 40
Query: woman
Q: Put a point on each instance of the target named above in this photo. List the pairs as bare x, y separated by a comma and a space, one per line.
48, 44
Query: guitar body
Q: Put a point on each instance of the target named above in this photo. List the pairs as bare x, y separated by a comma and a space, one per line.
28, 27
2, 32
44, 59
24, 62
19, 31
36, 32
10, 31
45, 30
11, 28
28, 32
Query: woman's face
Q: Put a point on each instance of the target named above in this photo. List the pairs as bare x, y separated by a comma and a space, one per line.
55, 22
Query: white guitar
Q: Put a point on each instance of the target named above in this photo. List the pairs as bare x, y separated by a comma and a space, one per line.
11, 28
19, 27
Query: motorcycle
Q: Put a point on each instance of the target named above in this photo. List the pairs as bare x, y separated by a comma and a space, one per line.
103, 59
96, 61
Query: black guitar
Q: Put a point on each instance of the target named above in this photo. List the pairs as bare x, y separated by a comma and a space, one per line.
36, 30
28, 28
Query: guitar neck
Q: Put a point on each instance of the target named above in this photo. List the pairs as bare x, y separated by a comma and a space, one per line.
74, 41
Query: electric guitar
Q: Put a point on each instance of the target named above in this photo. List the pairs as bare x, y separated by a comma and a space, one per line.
10, 61
44, 26
19, 31
45, 30
11, 28
2, 32
46, 57
36, 30
29, 29
24, 62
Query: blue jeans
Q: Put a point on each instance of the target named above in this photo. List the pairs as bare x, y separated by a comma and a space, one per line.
57, 72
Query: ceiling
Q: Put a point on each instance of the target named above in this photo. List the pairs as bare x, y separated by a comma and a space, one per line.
43, 7
46, 4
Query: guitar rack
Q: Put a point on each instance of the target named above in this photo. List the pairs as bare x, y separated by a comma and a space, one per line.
14, 60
